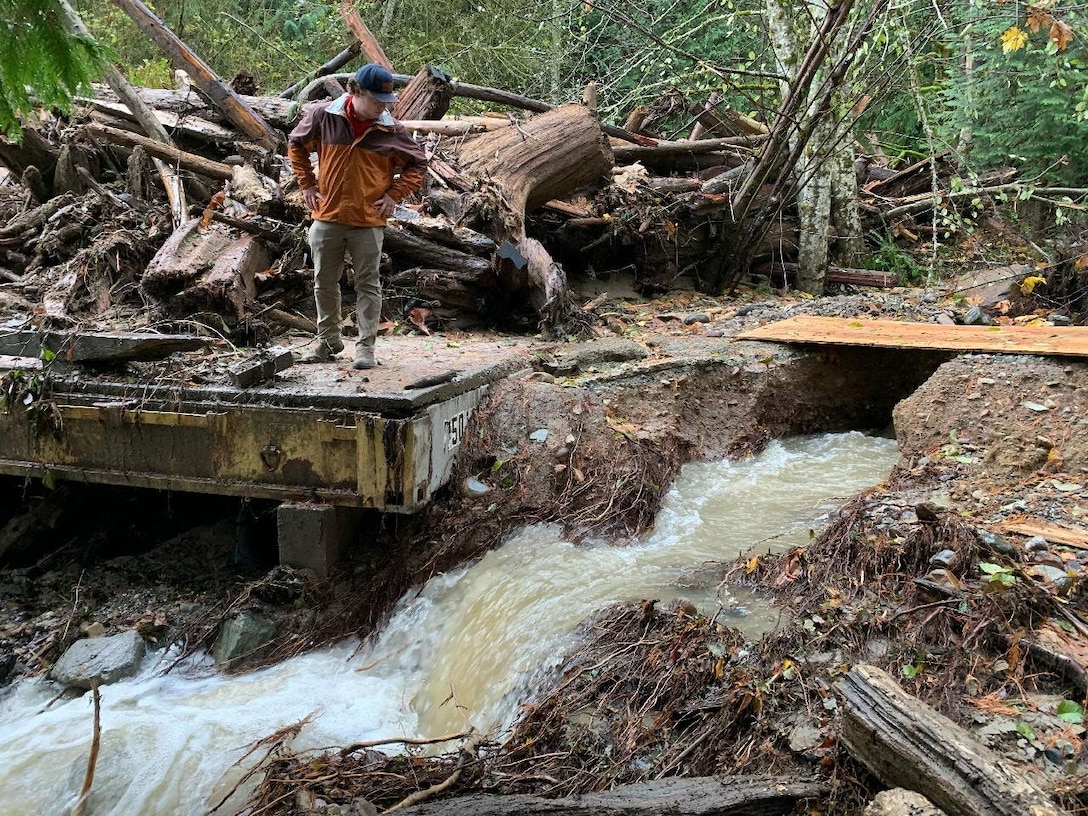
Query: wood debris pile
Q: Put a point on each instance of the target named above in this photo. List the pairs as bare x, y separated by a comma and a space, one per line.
202, 218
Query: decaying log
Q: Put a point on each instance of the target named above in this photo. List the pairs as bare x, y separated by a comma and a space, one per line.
20, 227
210, 84
699, 796
189, 161
97, 347
443, 232
528, 266
205, 269
782, 271
33, 151
188, 126
281, 113
426, 96
737, 145
423, 252
907, 744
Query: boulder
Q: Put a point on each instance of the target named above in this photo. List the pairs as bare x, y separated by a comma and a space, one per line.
243, 636
103, 660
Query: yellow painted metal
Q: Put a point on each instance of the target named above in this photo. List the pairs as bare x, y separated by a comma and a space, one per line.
337, 455
251, 451
1069, 341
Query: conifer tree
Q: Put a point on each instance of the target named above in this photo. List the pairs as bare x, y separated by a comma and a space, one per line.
41, 62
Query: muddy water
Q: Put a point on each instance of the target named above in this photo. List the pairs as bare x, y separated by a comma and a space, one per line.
465, 649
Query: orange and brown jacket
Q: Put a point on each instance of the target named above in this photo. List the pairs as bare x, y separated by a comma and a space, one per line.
354, 173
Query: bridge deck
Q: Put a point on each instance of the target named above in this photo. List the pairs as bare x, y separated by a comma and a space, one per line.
382, 438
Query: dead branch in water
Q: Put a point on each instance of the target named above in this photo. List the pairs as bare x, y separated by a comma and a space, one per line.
96, 741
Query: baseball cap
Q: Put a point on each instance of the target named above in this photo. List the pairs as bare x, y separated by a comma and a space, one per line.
376, 79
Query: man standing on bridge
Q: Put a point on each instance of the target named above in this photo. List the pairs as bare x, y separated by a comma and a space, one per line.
366, 163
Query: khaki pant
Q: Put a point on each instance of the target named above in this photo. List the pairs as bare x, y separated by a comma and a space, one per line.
328, 243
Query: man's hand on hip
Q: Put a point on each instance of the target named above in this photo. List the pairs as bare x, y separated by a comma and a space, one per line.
385, 206
312, 197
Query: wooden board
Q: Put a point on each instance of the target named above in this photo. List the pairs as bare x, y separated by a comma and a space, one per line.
1066, 341
1051, 531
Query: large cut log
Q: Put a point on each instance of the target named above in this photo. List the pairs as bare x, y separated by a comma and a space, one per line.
907, 744
211, 85
205, 268
700, 796
547, 157
520, 169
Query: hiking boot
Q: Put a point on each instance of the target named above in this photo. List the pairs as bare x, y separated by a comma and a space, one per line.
364, 357
320, 351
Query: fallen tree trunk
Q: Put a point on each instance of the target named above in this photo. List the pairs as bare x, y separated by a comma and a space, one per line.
210, 84
335, 64
519, 169
907, 744
700, 796
189, 161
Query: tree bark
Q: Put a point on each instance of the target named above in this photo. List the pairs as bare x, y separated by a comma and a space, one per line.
427, 96
907, 744
371, 47
190, 161
547, 157
700, 796
207, 269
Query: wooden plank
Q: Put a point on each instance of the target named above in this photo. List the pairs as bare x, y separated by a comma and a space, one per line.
1051, 531
1064, 341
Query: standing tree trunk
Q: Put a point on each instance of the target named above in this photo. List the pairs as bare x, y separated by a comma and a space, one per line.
824, 172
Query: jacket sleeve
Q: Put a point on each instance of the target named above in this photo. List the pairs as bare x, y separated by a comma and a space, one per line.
302, 141
413, 165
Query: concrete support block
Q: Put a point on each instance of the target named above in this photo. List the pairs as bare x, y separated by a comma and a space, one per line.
312, 536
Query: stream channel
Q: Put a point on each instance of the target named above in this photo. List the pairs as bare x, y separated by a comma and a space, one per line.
466, 648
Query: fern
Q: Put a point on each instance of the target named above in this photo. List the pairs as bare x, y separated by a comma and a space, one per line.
41, 63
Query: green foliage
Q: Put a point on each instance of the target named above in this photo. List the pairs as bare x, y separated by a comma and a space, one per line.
40, 63
156, 73
1023, 107
999, 576
638, 53
277, 41
889, 257
1070, 712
